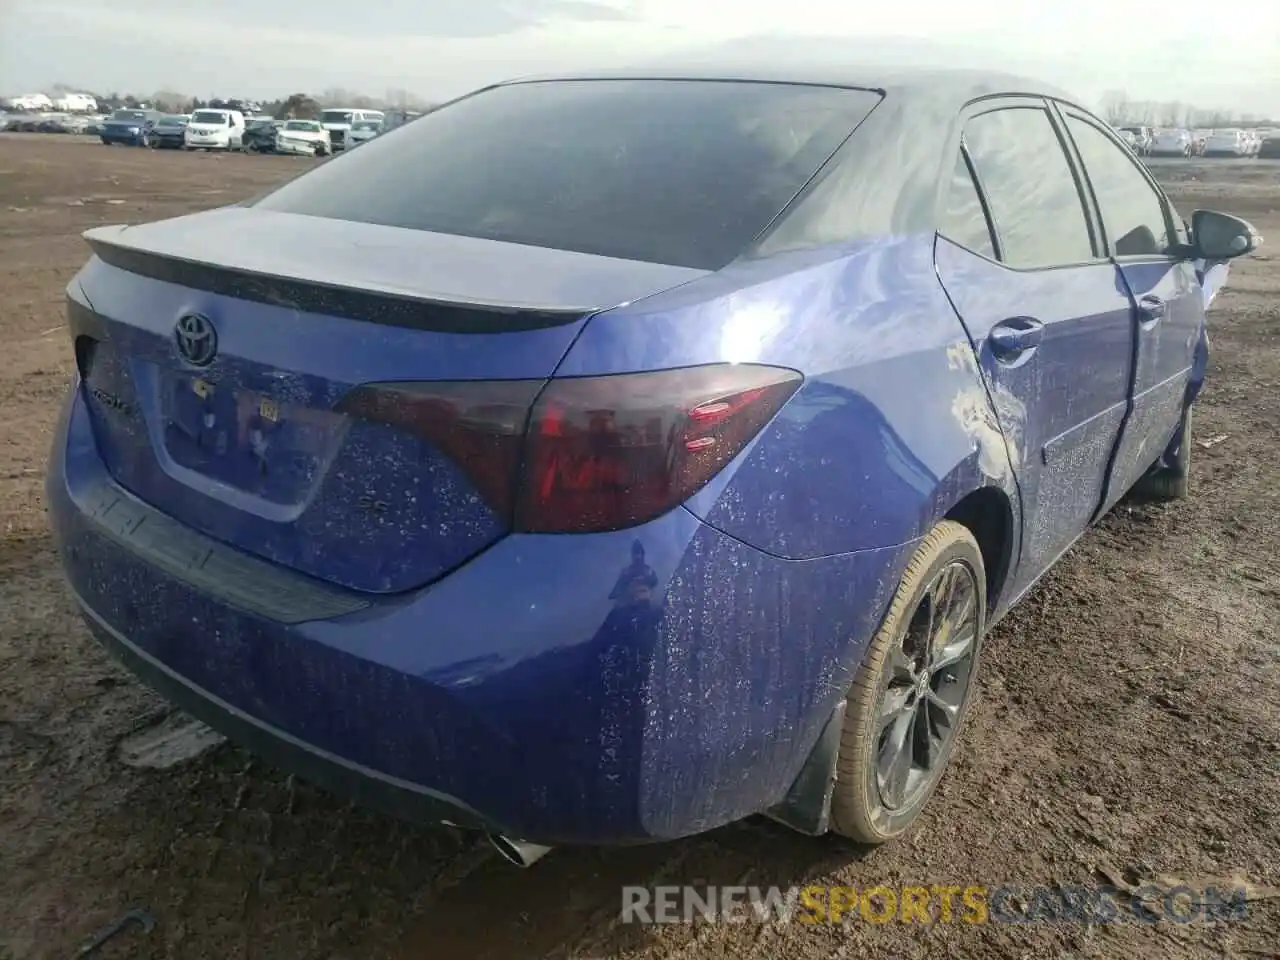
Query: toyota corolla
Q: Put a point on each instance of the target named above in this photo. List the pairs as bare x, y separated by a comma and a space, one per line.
602, 459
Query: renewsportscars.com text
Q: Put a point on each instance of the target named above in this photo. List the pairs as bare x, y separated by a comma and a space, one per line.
934, 903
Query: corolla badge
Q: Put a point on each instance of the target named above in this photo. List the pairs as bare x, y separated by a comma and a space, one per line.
197, 339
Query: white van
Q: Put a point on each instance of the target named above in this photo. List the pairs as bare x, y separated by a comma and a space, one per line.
211, 129
338, 121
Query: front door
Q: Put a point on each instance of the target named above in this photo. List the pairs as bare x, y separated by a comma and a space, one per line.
1020, 257
1167, 307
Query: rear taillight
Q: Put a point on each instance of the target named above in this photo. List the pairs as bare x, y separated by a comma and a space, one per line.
478, 424
593, 453
610, 452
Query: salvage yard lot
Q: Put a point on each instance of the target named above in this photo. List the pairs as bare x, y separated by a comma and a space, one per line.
1128, 725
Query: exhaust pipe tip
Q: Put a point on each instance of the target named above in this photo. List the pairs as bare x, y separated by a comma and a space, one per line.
519, 852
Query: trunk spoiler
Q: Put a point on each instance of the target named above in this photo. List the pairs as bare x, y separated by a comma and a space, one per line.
386, 275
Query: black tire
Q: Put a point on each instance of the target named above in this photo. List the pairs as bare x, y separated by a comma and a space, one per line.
1173, 481
860, 808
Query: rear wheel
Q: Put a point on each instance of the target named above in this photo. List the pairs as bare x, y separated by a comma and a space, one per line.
911, 693
1173, 480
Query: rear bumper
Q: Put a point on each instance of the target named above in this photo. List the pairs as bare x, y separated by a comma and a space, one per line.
521, 694
367, 787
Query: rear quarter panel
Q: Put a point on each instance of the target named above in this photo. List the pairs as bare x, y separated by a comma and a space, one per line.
892, 425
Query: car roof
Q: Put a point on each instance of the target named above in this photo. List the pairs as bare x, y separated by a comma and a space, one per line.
817, 63
905, 148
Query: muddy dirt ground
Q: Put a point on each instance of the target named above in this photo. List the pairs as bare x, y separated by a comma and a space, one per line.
1127, 726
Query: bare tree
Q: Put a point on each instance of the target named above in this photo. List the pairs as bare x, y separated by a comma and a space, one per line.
1172, 114
1115, 107
299, 106
337, 97
170, 101
1143, 112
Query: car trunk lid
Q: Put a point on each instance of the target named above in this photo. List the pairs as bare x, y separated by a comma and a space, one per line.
216, 352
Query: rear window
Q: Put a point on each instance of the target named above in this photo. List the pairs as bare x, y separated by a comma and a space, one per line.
336, 116
667, 171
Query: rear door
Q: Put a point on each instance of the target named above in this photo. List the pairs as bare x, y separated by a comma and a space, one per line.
1019, 255
1142, 236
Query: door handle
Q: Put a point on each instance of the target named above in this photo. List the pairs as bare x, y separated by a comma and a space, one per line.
1151, 310
1012, 338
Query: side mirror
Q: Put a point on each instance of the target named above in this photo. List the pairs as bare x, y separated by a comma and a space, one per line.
1220, 236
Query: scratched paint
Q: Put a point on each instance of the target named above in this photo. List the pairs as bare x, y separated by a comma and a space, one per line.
996, 431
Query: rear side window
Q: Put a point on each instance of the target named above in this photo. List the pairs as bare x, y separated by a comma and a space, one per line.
1034, 201
667, 171
963, 219
1133, 215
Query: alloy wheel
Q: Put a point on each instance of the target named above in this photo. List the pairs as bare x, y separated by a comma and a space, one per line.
931, 668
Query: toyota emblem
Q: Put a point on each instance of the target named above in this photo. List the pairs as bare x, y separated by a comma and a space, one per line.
197, 339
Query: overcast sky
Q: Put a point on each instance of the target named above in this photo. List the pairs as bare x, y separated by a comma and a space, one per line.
1208, 54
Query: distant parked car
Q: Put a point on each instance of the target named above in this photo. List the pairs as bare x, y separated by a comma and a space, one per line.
54, 123
1270, 147
1227, 143
398, 118
363, 131
260, 134
1171, 143
129, 126
306, 137
215, 130
339, 121
76, 103
1142, 137
598, 461
169, 133
31, 101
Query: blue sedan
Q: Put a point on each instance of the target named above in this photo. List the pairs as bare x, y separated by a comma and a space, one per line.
601, 459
